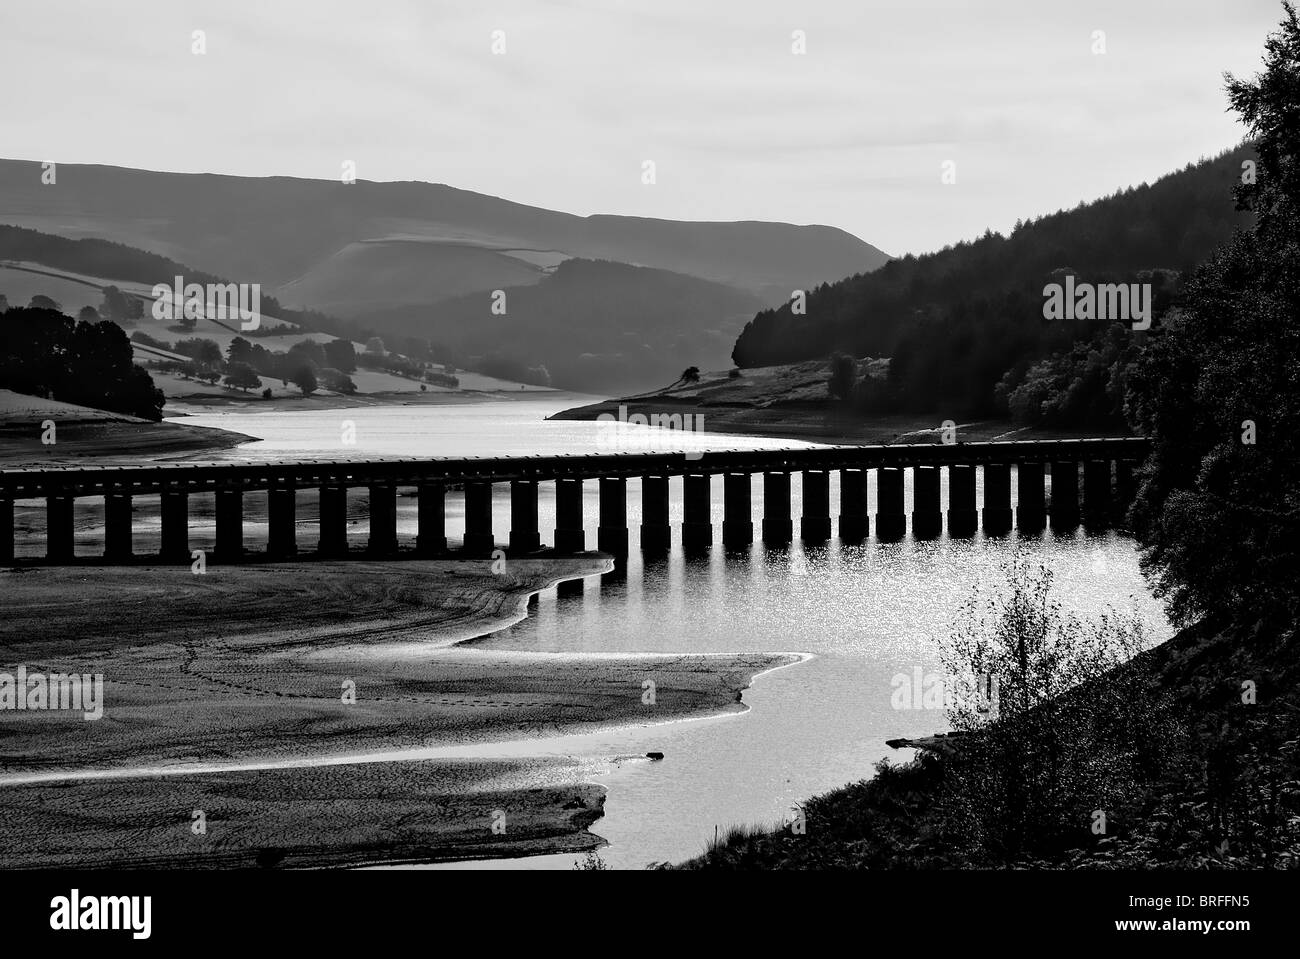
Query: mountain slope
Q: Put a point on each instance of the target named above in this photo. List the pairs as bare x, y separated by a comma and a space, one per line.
1170, 224
595, 325
278, 230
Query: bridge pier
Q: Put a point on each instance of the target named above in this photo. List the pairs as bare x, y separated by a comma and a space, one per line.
175, 526
431, 518
1125, 484
656, 529
697, 521
778, 528
281, 522
963, 515
815, 523
479, 538
611, 535
1031, 502
1064, 512
927, 510
230, 525
1069, 463
1125, 491
59, 530
117, 527
997, 516
333, 521
570, 537
6, 530
383, 519
524, 534
891, 516
738, 517
1096, 493
855, 525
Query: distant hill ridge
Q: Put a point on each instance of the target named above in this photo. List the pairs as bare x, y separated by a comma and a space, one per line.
278, 230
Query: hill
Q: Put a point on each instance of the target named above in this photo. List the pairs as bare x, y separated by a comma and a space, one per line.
61, 269
957, 323
594, 325
283, 231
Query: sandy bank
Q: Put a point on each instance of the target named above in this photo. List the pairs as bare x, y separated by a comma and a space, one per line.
292, 661
321, 816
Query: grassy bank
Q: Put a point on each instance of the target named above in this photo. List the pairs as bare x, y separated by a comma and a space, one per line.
794, 402
36, 431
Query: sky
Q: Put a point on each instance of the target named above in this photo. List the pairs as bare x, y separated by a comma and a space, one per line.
1013, 99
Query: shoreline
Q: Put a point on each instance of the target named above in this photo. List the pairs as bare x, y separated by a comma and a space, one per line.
810, 422
184, 405
84, 434
264, 685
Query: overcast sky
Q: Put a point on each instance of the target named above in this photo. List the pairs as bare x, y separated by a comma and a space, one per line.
853, 133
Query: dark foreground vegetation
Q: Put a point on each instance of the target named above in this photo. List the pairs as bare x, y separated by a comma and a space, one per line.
1188, 754
1186, 757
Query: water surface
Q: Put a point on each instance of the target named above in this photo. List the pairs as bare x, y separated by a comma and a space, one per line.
865, 613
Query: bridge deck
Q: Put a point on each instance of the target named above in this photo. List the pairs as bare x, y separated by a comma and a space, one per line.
31, 482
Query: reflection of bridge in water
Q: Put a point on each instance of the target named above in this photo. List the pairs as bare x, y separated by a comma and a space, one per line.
1106, 466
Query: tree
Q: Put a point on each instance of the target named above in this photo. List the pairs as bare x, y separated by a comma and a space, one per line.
242, 376
304, 377
1054, 724
307, 351
116, 306
88, 314
205, 353
843, 376
1218, 509
375, 345
209, 354
43, 302
336, 380
341, 355
690, 375
239, 351
44, 353
4, 302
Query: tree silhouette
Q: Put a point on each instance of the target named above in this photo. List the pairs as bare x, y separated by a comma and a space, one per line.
242, 376
843, 376
1218, 511
304, 377
44, 353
